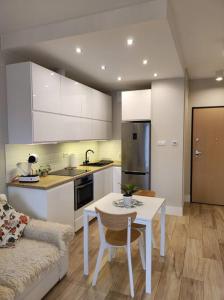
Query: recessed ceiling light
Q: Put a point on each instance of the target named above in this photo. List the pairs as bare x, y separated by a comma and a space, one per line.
78, 50
130, 41
103, 67
145, 61
155, 74
119, 78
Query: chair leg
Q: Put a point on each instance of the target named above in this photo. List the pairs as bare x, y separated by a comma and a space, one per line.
142, 250
130, 271
98, 263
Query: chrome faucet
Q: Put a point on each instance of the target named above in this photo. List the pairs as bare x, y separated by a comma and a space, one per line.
86, 156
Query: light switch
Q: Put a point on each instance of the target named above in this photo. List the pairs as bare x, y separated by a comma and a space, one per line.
161, 143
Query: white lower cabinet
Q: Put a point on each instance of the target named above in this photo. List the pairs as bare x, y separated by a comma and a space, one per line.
55, 204
117, 179
103, 183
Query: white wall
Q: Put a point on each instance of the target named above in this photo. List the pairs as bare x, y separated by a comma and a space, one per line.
202, 92
3, 123
168, 124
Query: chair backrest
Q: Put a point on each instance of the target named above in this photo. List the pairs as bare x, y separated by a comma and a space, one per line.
146, 193
115, 221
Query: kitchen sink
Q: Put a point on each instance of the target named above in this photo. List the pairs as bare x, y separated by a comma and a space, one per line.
100, 163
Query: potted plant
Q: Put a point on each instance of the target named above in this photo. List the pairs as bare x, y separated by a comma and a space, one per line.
128, 190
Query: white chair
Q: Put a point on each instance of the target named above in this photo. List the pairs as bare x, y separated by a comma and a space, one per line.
118, 233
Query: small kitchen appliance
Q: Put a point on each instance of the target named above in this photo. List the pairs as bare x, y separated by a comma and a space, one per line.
27, 175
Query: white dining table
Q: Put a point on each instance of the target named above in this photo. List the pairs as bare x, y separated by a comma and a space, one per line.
145, 214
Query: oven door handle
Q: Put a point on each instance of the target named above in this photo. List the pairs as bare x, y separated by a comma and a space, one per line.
83, 185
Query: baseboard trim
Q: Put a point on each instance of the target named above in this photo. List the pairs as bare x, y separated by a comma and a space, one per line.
174, 210
187, 198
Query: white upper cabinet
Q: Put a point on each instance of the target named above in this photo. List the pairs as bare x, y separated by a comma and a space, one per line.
102, 106
45, 89
136, 105
44, 106
72, 97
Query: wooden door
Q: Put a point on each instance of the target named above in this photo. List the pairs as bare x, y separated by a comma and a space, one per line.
207, 182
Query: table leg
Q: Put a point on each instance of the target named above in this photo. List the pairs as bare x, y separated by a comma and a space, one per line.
162, 229
86, 243
148, 257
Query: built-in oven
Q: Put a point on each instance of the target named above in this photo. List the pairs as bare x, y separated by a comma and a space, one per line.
83, 191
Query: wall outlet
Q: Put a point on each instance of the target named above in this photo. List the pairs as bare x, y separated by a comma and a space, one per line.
161, 143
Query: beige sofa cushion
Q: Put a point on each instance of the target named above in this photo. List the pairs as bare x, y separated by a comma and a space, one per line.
6, 293
21, 265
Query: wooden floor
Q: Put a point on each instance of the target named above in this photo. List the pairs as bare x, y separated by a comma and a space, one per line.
191, 269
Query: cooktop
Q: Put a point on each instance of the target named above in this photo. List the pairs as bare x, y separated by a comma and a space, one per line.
68, 172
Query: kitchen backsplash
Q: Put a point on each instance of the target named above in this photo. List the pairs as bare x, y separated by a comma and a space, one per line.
57, 155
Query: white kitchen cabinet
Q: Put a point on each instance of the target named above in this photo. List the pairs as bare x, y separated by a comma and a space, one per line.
55, 204
101, 130
44, 106
53, 127
136, 105
45, 89
102, 106
103, 183
72, 97
117, 179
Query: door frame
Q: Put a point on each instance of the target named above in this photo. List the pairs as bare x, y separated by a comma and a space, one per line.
191, 163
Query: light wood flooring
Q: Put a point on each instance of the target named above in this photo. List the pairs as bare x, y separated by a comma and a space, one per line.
191, 269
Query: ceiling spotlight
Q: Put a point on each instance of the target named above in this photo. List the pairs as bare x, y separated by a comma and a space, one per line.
145, 61
155, 74
78, 50
52, 73
119, 78
103, 67
130, 41
219, 75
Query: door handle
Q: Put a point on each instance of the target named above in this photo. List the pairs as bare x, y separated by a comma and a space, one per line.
197, 153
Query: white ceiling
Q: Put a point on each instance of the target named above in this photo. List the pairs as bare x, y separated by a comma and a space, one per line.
152, 40
21, 14
199, 28
200, 25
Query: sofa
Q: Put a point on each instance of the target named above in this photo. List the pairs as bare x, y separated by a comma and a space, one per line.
37, 262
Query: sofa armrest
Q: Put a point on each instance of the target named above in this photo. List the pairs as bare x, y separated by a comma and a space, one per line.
55, 233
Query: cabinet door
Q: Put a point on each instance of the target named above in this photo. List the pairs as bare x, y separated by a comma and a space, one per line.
101, 130
47, 127
102, 106
136, 105
72, 97
108, 180
108, 108
103, 183
88, 105
60, 201
98, 178
45, 89
117, 179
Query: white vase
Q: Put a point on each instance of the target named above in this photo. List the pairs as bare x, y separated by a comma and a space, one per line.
127, 201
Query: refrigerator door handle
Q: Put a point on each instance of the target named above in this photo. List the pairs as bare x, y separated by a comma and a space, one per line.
134, 172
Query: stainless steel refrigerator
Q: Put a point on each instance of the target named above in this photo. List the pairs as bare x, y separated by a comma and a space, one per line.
136, 154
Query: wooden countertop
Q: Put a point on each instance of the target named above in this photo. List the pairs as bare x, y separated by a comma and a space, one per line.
45, 183
51, 181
